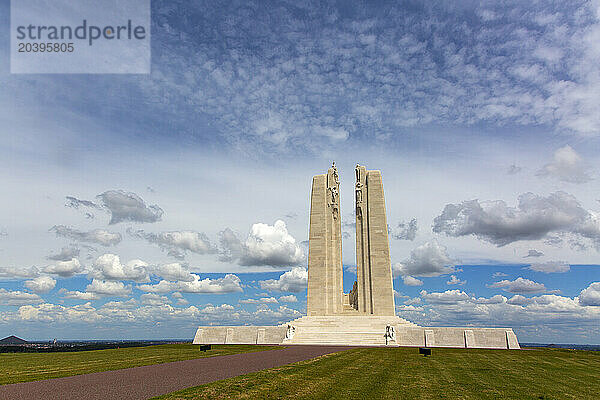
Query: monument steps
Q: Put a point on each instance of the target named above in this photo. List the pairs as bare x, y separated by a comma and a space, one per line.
361, 330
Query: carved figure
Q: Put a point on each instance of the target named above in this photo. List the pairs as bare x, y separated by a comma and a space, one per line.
291, 331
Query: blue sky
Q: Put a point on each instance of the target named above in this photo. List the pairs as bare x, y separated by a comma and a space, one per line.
140, 206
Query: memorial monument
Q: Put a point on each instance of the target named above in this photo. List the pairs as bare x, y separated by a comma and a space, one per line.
366, 315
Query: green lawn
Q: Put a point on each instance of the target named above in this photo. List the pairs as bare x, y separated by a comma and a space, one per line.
25, 367
400, 373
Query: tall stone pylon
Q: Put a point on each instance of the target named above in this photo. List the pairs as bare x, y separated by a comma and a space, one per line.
325, 290
374, 268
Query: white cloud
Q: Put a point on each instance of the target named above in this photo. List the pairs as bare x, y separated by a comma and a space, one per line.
178, 242
154, 299
567, 166
551, 266
520, 285
288, 299
262, 300
41, 284
498, 274
127, 206
217, 309
295, 280
405, 230
429, 259
496, 299
108, 288
12, 272
534, 253
17, 298
519, 300
66, 269
531, 316
66, 254
455, 281
51, 312
533, 218
108, 267
174, 272
150, 315
449, 296
266, 245
98, 236
590, 296
228, 284
411, 281
77, 295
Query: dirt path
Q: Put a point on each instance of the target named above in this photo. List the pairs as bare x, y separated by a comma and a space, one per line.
153, 380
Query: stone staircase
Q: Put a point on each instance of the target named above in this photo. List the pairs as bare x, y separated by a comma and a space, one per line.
346, 330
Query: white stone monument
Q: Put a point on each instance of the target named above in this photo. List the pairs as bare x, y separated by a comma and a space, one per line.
365, 316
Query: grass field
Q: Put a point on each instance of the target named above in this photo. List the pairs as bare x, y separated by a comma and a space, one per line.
25, 367
400, 373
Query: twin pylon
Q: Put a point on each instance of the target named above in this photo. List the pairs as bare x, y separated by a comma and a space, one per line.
373, 292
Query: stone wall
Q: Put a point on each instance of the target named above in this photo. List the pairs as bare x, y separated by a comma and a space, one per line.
476, 338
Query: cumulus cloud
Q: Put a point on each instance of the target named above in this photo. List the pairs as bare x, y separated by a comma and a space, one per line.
178, 242
449, 296
66, 269
128, 206
66, 254
411, 281
534, 253
405, 230
154, 299
295, 280
454, 307
551, 266
262, 300
17, 298
148, 313
567, 166
534, 218
266, 245
520, 286
109, 267
14, 272
98, 236
41, 284
590, 296
496, 299
228, 284
498, 274
455, 281
108, 288
517, 299
288, 299
77, 295
174, 272
74, 202
428, 259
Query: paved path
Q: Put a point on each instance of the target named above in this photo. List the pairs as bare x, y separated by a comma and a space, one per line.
154, 380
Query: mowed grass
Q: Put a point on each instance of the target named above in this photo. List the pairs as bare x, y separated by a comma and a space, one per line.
400, 373
25, 367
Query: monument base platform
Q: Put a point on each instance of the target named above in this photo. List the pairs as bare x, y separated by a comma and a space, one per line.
359, 331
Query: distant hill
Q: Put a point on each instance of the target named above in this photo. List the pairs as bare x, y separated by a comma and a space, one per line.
12, 340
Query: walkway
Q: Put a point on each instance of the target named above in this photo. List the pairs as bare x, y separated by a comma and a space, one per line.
154, 380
